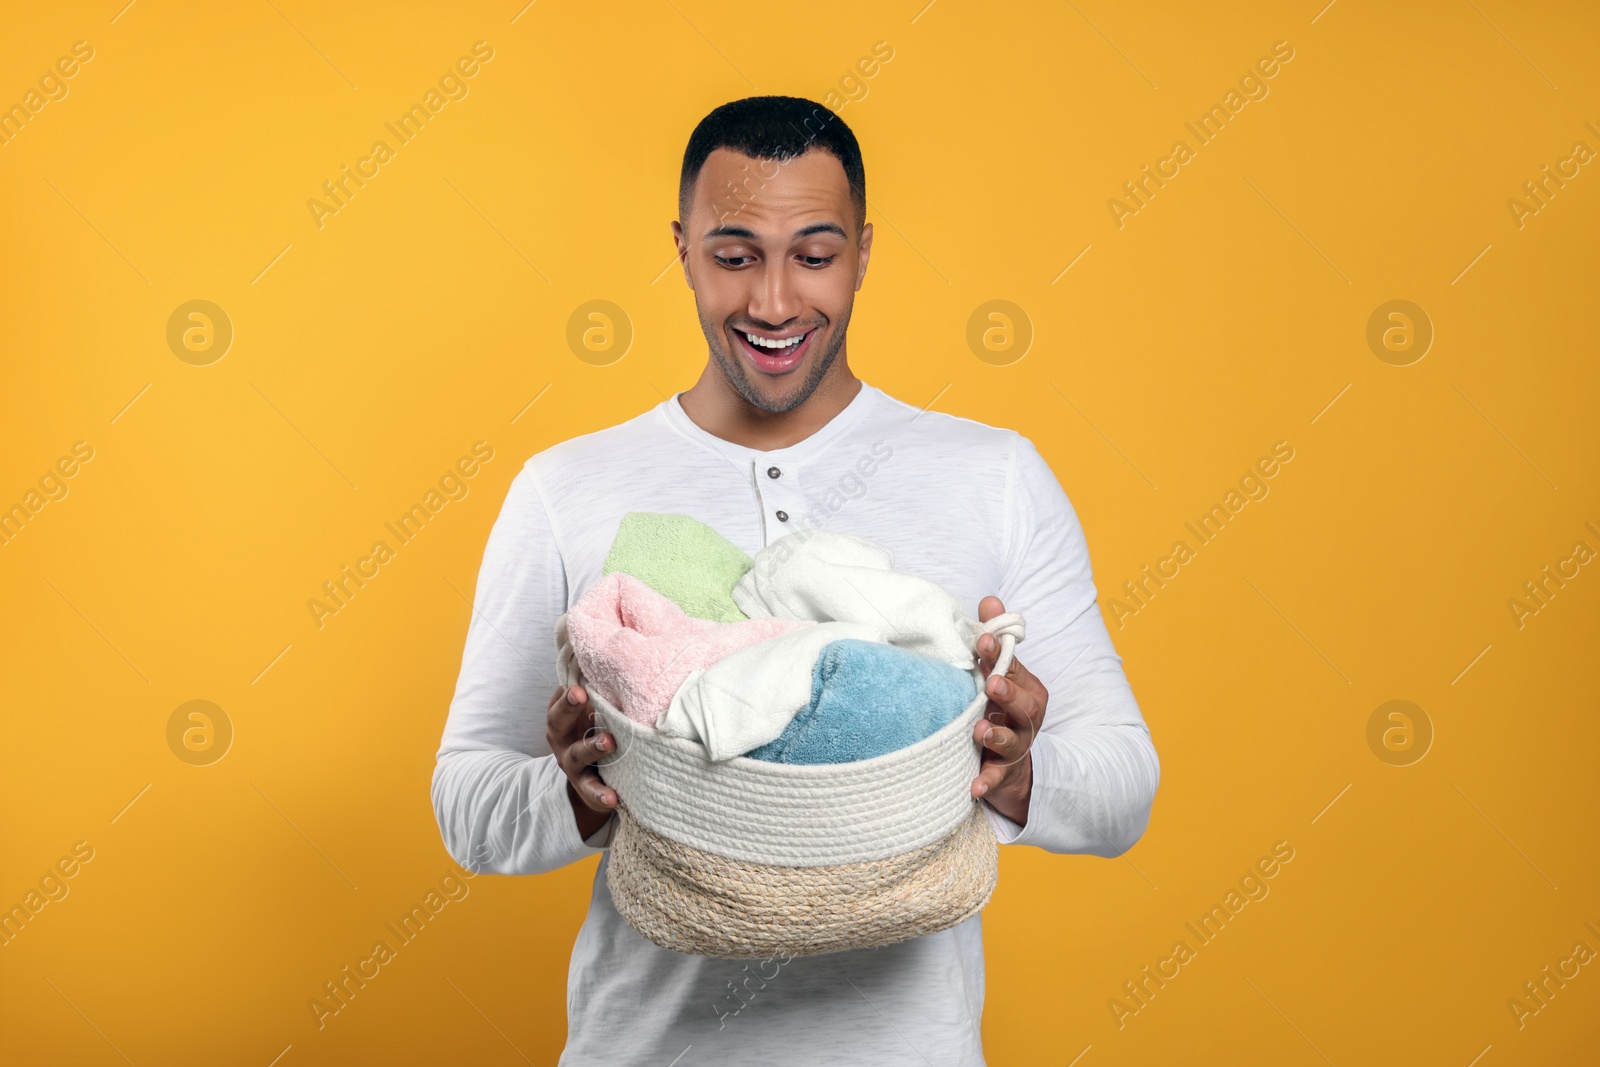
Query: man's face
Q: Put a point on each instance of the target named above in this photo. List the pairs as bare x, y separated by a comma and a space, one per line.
771, 252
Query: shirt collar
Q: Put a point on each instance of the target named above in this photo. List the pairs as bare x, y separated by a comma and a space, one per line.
797, 453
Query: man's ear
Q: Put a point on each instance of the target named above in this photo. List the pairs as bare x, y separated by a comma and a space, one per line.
683, 252
863, 254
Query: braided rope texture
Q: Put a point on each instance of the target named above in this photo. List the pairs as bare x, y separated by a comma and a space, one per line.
794, 815
696, 902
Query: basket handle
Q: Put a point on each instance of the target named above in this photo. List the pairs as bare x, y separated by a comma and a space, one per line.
1009, 628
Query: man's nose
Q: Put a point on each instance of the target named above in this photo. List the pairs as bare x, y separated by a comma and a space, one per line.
776, 299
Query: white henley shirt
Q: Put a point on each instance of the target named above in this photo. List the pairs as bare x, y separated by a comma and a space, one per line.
970, 506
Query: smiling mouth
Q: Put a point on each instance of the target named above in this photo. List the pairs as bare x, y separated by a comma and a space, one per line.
775, 355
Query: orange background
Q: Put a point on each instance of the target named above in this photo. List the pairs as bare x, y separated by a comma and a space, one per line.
369, 354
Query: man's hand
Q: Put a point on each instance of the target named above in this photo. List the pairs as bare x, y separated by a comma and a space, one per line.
1010, 723
571, 733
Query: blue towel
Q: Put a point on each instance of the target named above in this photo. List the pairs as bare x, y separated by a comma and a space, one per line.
867, 699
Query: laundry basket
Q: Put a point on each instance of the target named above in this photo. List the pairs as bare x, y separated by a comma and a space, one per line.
746, 859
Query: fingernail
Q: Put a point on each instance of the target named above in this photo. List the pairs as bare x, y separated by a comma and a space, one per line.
983, 787
570, 698
1001, 688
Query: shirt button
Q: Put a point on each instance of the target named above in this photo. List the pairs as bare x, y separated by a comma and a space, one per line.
773, 472
783, 516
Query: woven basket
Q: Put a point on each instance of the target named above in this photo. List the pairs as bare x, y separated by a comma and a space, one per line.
746, 859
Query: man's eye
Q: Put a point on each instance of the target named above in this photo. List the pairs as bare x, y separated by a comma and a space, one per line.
817, 261
732, 261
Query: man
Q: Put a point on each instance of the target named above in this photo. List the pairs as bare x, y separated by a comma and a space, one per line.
776, 437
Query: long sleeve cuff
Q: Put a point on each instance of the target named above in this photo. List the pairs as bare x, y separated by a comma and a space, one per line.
507, 813
1092, 792
558, 819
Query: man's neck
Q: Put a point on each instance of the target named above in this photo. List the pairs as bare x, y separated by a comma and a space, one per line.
717, 408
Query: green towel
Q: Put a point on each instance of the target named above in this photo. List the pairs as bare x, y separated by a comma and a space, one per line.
683, 559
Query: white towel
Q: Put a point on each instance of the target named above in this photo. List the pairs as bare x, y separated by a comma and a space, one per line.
750, 696
834, 577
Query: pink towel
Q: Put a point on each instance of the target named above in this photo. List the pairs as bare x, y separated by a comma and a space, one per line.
636, 647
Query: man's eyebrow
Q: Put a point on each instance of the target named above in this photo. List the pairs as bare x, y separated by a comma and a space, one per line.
749, 235
821, 227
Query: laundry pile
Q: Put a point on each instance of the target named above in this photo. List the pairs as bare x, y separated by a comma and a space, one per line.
816, 651
847, 690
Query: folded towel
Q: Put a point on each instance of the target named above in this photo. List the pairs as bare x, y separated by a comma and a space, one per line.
681, 558
868, 699
834, 577
635, 647
749, 697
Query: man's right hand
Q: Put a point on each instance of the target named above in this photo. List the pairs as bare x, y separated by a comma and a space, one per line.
577, 743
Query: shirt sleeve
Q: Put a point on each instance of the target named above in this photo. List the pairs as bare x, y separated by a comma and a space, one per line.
499, 796
1095, 769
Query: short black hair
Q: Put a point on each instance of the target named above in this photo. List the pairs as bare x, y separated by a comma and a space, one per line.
777, 128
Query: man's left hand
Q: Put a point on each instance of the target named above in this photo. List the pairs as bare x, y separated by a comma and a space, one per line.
1010, 723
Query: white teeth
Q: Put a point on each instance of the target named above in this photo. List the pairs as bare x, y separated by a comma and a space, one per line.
763, 342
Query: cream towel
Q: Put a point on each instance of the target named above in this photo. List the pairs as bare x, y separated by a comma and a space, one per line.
750, 695
834, 577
